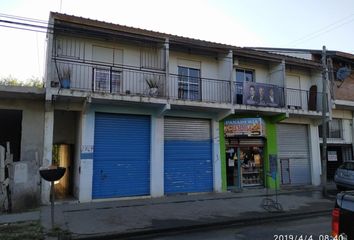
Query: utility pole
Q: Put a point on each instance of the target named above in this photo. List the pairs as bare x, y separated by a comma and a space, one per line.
324, 122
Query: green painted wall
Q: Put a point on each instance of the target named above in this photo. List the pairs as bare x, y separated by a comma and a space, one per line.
271, 147
223, 156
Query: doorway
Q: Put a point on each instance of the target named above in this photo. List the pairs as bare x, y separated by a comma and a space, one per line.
244, 163
11, 130
65, 151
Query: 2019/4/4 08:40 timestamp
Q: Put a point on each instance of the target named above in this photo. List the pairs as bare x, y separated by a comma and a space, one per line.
307, 237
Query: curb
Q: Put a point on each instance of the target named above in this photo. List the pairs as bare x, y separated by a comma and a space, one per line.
139, 234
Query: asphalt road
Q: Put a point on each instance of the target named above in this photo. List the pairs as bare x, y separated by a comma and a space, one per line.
316, 228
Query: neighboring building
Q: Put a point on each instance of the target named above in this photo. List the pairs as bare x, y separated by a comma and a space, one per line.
22, 125
340, 128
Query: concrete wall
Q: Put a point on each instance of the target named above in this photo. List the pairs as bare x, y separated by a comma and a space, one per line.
261, 70
64, 127
25, 180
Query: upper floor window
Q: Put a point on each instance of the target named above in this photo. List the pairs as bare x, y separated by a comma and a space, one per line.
242, 75
334, 129
106, 80
189, 83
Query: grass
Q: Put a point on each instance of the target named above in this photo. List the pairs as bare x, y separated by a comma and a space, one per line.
22, 230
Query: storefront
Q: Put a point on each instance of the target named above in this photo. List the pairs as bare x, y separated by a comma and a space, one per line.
244, 142
188, 165
248, 143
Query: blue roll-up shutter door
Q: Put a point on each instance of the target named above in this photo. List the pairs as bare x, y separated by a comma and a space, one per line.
188, 156
121, 165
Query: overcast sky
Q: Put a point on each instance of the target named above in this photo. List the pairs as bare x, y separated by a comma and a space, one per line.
267, 23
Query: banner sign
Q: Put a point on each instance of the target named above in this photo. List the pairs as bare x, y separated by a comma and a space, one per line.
244, 127
261, 94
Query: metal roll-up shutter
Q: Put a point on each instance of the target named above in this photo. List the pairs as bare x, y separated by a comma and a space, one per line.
188, 155
121, 164
293, 151
247, 142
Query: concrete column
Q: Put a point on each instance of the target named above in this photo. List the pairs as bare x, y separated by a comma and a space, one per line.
47, 150
157, 157
167, 67
87, 125
314, 141
216, 157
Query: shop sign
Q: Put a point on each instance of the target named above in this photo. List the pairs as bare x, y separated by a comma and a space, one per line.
332, 156
261, 94
244, 127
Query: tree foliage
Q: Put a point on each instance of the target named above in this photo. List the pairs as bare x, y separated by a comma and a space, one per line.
30, 82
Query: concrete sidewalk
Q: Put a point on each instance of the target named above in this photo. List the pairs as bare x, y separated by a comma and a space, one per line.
123, 218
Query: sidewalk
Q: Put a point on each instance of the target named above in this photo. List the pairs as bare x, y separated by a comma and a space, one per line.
123, 218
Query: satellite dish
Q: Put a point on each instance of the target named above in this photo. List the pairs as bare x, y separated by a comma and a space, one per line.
343, 73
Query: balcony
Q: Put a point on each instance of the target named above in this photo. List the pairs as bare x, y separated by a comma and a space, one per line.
199, 89
134, 81
109, 80
268, 95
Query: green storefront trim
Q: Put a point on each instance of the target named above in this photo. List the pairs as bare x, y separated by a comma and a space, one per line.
271, 146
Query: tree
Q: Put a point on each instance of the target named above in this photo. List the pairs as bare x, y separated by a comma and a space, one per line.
31, 82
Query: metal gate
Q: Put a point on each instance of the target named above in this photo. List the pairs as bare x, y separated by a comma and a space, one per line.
121, 165
293, 146
188, 155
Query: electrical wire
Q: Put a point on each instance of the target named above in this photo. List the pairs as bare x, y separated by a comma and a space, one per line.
324, 30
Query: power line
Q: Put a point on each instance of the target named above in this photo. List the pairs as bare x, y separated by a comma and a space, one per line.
323, 30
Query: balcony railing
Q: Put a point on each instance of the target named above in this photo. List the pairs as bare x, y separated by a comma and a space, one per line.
103, 78
128, 80
199, 89
276, 96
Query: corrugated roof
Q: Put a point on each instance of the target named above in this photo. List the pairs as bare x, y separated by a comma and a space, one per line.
310, 51
250, 52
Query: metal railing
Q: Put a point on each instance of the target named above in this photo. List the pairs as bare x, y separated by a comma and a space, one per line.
295, 99
199, 89
129, 80
104, 78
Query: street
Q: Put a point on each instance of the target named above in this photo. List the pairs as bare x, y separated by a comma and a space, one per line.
310, 228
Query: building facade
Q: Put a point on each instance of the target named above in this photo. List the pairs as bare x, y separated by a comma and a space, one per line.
341, 101
131, 112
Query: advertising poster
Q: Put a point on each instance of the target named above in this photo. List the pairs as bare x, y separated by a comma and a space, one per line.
260, 94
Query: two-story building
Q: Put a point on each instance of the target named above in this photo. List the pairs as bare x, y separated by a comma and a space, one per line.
341, 85
132, 112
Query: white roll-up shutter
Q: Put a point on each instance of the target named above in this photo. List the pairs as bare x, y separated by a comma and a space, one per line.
293, 145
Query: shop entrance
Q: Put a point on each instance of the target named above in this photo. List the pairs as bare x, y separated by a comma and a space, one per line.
244, 162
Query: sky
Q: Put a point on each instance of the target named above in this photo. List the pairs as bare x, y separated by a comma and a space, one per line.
306, 24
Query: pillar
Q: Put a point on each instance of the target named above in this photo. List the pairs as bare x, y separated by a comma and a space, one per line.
157, 157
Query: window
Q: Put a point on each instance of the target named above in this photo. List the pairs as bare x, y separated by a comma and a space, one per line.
106, 80
242, 75
334, 129
189, 83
